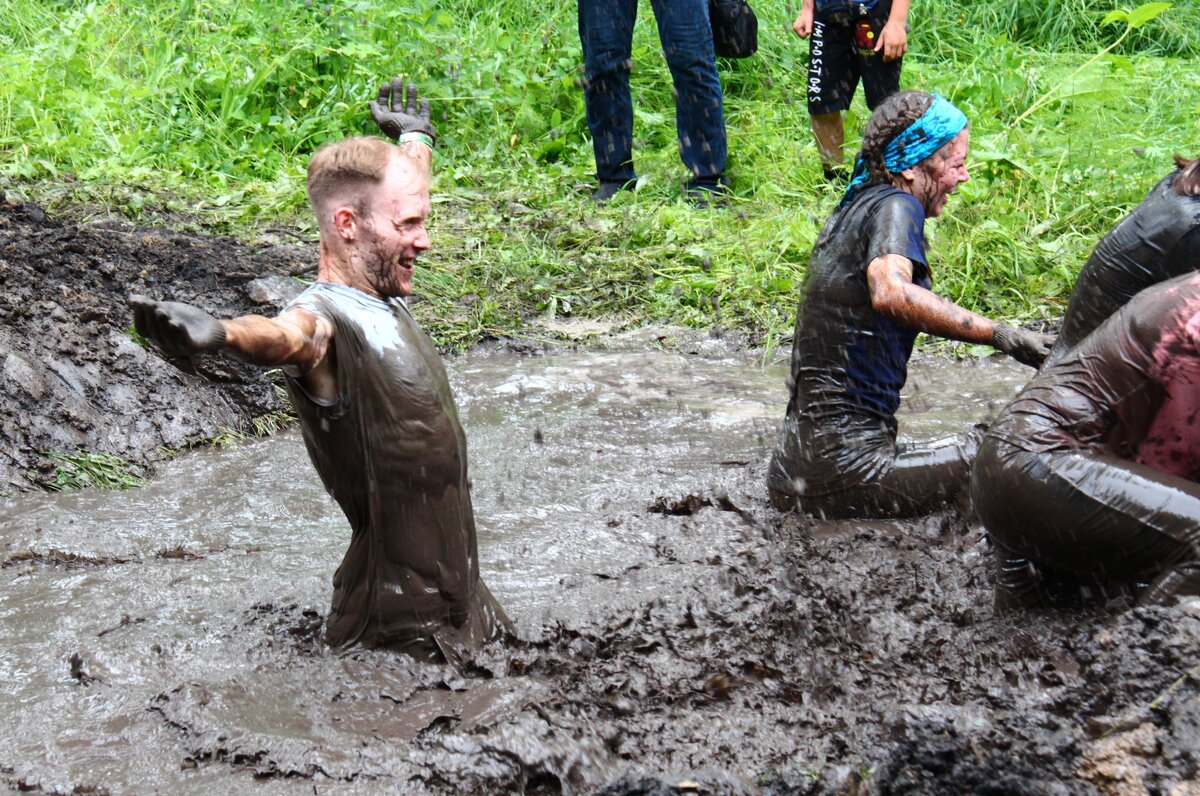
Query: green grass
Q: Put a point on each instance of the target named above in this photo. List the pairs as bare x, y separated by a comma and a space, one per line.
210, 109
79, 469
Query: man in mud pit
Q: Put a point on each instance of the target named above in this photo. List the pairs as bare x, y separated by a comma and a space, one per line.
866, 297
1160, 239
377, 413
1092, 469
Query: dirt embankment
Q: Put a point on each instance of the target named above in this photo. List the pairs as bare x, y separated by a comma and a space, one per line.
73, 377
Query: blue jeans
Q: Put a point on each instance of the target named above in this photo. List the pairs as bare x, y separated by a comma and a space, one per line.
606, 30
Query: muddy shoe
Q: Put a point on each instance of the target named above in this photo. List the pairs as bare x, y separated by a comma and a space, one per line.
608, 189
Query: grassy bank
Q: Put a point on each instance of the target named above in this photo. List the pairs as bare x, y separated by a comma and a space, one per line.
210, 108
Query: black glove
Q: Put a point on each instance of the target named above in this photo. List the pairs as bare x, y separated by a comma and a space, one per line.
1028, 348
180, 330
398, 111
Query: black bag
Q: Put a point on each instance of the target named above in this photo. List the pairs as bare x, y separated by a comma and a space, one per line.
735, 28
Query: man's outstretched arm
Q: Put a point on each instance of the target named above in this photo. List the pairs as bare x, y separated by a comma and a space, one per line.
297, 339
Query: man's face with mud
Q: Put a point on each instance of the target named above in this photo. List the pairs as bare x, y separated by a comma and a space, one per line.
393, 229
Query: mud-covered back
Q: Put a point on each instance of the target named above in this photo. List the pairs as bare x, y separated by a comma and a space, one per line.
849, 362
1159, 240
1130, 389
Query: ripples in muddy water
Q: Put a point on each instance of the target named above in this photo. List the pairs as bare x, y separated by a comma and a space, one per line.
154, 633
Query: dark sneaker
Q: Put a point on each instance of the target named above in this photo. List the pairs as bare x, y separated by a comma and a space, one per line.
608, 189
838, 176
707, 193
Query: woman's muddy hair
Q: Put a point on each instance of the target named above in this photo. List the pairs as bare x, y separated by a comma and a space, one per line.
347, 168
1187, 181
890, 118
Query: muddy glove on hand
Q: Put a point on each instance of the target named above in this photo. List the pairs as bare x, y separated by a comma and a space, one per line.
398, 111
1028, 348
180, 330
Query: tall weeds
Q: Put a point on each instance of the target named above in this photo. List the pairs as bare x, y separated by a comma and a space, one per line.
211, 108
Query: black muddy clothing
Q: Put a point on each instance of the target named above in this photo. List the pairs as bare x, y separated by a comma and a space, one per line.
1159, 240
837, 455
1092, 469
841, 51
391, 452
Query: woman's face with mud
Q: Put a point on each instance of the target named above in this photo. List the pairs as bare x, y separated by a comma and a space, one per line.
933, 180
393, 231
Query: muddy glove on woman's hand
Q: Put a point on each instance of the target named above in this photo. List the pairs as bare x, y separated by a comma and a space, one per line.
1028, 348
397, 111
180, 330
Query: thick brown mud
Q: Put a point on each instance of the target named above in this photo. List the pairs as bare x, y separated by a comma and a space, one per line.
72, 375
675, 633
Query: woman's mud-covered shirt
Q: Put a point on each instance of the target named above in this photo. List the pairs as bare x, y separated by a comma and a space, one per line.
391, 452
1131, 389
849, 362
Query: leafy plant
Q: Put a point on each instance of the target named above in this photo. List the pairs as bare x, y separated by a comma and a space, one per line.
1133, 20
136, 336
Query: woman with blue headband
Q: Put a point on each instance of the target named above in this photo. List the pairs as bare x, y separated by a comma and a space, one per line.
866, 297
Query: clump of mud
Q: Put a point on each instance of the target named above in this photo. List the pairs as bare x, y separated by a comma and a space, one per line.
73, 378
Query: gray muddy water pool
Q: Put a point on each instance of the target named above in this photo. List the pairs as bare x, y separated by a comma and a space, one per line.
153, 635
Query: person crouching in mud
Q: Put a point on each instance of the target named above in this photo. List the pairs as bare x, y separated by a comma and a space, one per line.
1160, 239
866, 297
1102, 450
378, 417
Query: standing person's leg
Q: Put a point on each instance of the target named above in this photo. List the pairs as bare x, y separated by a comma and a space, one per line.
606, 31
686, 34
880, 78
830, 132
832, 80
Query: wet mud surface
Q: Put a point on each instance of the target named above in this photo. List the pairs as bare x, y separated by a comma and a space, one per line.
675, 634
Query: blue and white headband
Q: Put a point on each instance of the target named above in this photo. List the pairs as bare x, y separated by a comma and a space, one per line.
932, 131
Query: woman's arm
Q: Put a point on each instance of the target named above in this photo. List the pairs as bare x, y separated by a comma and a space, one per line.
894, 295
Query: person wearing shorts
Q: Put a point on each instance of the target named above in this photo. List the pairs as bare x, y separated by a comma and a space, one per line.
849, 41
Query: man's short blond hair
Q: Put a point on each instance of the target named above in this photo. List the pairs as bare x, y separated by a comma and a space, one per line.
349, 169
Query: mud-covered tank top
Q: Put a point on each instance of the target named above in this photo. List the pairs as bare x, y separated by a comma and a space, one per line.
391, 452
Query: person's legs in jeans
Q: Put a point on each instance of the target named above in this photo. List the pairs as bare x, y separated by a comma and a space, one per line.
606, 31
686, 35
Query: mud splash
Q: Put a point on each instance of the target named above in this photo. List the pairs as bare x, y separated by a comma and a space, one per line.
680, 635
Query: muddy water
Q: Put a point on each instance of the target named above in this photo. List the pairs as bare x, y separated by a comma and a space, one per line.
165, 638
